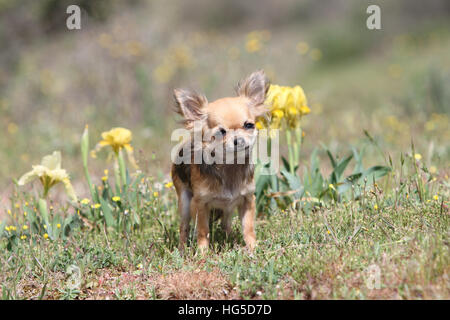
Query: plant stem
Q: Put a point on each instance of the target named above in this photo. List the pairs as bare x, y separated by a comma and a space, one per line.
290, 151
122, 168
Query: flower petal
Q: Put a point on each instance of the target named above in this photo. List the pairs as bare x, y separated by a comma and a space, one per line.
52, 161
27, 177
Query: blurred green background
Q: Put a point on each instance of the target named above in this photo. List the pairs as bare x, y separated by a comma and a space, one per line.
121, 67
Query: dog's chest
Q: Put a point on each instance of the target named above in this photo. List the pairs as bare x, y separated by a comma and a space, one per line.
227, 199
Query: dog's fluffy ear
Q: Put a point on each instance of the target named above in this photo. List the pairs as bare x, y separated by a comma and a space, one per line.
254, 87
190, 105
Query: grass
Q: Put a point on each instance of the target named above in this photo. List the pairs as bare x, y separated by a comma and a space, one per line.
326, 252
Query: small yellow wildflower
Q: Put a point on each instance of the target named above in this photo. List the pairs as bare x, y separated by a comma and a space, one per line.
17, 206
302, 47
106, 172
26, 204
23, 237
45, 236
96, 206
45, 226
85, 201
375, 207
140, 266
105, 178
13, 228
7, 228
25, 227
116, 198
9, 212
169, 184
25, 213
155, 194
58, 226
331, 186
417, 156
328, 231
436, 197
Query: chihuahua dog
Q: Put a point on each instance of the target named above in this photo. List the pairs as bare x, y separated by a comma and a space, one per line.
209, 186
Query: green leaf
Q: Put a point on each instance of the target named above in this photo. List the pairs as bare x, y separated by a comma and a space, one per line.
332, 160
294, 183
339, 169
107, 214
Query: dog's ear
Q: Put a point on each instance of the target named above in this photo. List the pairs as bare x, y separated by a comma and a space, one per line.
254, 87
190, 105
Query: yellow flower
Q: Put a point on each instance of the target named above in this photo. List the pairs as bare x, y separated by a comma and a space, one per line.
24, 213
106, 172
25, 227
328, 231
7, 228
49, 173
155, 194
96, 206
302, 47
9, 212
104, 178
116, 199
278, 113
58, 226
331, 186
117, 138
417, 156
85, 201
140, 266
287, 102
375, 207
23, 237
259, 125
45, 236
436, 197
45, 226
253, 45
169, 184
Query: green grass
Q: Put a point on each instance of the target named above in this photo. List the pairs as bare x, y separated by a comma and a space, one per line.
323, 252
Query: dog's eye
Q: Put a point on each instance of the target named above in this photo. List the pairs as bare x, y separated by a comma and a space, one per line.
249, 125
223, 131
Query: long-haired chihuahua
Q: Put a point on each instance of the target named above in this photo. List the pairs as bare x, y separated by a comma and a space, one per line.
220, 179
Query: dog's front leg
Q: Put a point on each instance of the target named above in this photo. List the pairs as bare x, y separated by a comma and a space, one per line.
200, 215
247, 215
184, 204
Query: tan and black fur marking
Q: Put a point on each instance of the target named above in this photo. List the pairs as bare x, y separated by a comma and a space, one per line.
222, 188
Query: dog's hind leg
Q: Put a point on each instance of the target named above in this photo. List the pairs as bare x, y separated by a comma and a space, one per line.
184, 204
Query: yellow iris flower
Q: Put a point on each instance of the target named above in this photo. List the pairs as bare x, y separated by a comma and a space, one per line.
117, 138
287, 102
49, 173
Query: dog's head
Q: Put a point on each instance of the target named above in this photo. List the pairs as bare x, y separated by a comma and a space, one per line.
228, 121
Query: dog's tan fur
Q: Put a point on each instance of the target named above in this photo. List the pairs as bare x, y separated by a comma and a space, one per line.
202, 188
